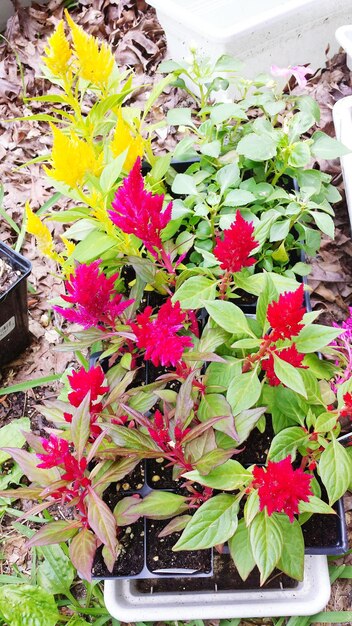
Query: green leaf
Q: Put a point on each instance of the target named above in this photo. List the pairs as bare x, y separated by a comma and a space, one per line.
292, 557
180, 116
257, 147
299, 155
228, 316
246, 421
244, 391
93, 246
289, 375
267, 543
56, 573
213, 523
24, 605
325, 147
11, 435
194, 291
279, 230
211, 149
228, 176
241, 551
315, 505
324, 222
229, 476
111, 172
184, 185
335, 470
239, 197
286, 443
80, 425
160, 505
315, 337
216, 405
226, 111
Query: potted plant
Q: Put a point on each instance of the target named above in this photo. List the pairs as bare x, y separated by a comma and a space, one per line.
14, 336
194, 412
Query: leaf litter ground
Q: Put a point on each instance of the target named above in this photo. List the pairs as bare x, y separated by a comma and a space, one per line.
138, 41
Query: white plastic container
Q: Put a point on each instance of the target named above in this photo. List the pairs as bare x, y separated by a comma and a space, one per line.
259, 32
344, 37
342, 115
126, 603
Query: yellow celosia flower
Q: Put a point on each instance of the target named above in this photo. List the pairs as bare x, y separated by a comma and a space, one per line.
124, 139
72, 158
58, 52
42, 234
95, 61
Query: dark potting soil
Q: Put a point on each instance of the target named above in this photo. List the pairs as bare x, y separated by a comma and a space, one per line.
225, 578
256, 447
130, 560
160, 555
8, 274
158, 475
321, 530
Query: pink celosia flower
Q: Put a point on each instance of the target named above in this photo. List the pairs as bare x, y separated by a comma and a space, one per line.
93, 296
281, 488
83, 382
285, 315
234, 250
298, 71
290, 355
139, 212
159, 335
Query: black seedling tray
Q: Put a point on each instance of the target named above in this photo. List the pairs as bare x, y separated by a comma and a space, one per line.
14, 335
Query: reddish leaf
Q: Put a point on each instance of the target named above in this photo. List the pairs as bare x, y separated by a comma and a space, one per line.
101, 520
82, 551
80, 425
28, 464
54, 532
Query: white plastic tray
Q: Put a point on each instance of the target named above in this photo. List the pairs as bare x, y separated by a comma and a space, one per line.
342, 115
126, 603
344, 37
261, 33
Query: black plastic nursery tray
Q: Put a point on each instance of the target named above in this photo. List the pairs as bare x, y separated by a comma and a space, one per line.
143, 553
14, 336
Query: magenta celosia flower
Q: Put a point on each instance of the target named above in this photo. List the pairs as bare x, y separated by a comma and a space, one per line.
159, 336
93, 296
298, 71
56, 451
159, 431
281, 488
290, 355
234, 250
285, 315
138, 212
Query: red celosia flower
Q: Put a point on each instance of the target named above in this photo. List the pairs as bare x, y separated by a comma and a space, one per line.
56, 451
281, 488
93, 296
139, 212
83, 382
285, 315
159, 336
290, 355
346, 410
159, 432
234, 250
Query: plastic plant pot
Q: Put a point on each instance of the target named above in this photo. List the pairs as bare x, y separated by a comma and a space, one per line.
342, 116
14, 335
127, 601
258, 33
344, 38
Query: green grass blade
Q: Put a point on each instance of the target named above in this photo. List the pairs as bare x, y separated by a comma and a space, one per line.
332, 617
29, 384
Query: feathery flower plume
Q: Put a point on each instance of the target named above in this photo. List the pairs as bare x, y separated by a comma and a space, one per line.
159, 336
281, 488
138, 212
234, 250
58, 52
124, 139
285, 315
93, 296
